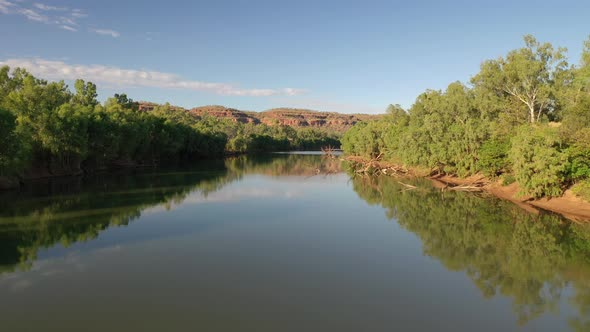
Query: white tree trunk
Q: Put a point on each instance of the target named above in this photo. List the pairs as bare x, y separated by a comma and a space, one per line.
532, 113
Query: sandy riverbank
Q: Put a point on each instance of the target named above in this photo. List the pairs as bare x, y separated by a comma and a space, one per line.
569, 205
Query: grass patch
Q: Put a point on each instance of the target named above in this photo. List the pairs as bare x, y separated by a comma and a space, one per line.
582, 189
508, 179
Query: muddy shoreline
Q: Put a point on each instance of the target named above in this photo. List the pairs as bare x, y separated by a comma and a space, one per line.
568, 205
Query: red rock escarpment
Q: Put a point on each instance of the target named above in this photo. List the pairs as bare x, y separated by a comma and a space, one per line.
282, 116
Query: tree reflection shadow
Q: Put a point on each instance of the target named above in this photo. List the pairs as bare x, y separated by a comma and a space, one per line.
70, 210
503, 249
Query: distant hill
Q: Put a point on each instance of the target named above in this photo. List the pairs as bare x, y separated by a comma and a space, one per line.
309, 118
284, 116
225, 112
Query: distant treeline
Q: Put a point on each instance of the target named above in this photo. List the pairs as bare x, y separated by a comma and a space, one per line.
524, 117
46, 129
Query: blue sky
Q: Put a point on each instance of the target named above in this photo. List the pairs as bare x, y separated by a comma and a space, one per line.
254, 55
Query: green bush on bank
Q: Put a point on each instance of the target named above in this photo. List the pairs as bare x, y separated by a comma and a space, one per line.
539, 161
493, 157
365, 139
582, 189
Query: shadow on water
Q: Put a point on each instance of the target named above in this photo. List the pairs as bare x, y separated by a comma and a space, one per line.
532, 259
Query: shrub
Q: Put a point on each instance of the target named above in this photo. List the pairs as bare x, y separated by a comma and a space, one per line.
579, 162
540, 165
508, 179
493, 157
582, 189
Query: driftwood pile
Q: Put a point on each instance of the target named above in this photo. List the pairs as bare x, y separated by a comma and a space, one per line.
329, 151
375, 166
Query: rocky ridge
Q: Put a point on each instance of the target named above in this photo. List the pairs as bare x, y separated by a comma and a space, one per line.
299, 118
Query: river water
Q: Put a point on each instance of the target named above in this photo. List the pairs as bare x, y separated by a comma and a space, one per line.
285, 242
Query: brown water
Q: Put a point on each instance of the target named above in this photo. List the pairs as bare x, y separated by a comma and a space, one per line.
282, 243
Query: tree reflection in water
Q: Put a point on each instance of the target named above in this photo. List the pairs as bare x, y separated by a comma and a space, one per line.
505, 250
532, 259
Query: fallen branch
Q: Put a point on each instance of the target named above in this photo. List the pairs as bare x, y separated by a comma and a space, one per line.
408, 186
465, 188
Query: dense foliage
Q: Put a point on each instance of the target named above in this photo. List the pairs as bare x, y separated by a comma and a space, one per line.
46, 129
525, 116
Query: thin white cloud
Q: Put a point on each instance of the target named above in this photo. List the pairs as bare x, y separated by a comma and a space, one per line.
33, 15
6, 7
106, 32
115, 76
293, 92
49, 8
67, 21
62, 17
69, 28
78, 13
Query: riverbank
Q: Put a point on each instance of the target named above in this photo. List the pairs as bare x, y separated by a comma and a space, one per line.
568, 205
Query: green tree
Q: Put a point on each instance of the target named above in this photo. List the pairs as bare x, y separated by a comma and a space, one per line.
64, 134
528, 75
445, 131
14, 150
85, 94
121, 101
576, 99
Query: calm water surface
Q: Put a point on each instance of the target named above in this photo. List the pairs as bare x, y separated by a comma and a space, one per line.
282, 243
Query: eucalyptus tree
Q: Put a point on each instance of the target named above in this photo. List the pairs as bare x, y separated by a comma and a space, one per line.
576, 99
85, 93
528, 76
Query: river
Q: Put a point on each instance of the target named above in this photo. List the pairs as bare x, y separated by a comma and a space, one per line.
284, 242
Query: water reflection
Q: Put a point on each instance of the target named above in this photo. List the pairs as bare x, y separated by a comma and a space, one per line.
532, 259
69, 210
539, 262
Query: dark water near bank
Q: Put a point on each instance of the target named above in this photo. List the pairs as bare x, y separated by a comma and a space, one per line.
282, 243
